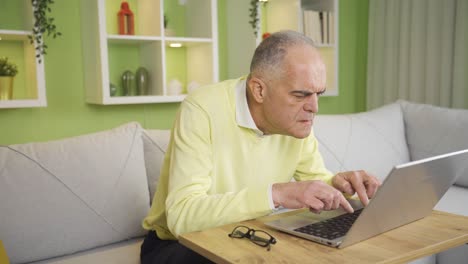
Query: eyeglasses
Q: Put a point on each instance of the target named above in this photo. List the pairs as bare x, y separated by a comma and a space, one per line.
258, 237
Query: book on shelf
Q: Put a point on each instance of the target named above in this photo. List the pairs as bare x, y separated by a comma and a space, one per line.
319, 26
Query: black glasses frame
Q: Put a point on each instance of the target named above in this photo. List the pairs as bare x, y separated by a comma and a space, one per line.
237, 232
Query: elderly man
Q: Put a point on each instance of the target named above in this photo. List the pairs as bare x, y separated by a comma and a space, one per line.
236, 146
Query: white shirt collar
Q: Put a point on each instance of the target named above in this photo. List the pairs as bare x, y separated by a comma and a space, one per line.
243, 116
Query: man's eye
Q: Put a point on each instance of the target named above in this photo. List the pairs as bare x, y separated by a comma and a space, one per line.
320, 93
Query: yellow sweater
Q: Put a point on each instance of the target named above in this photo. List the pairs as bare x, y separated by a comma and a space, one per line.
216, 172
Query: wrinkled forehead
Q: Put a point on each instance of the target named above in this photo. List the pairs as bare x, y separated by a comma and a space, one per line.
305, 65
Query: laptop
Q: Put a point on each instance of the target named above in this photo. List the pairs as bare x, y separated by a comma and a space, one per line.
409, 193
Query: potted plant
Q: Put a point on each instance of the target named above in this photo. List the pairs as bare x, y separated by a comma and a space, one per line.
8, 71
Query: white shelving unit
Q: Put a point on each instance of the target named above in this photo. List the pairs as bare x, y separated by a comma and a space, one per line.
29, 84
290, 14
107, 54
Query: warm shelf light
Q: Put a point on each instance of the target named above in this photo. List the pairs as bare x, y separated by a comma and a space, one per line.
175, 45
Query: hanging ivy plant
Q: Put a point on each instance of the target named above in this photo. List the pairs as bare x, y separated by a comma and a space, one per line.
254, 16
43, 23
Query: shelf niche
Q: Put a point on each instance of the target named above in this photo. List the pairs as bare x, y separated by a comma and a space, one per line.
16, 21
107, 54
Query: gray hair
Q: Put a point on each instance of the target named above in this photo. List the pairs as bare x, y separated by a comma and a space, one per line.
269, 55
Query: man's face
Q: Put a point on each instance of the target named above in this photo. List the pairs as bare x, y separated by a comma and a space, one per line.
291, 101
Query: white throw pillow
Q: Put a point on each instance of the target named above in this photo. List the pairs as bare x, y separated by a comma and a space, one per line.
373, 141
432, 130
64, 196
155, 144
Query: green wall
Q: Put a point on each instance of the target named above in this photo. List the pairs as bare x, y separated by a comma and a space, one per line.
353, 20
67, 114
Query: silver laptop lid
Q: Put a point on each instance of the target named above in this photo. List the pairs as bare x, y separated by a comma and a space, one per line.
409, 193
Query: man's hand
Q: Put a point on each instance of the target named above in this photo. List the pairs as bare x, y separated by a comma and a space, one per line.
360, 182
315, 195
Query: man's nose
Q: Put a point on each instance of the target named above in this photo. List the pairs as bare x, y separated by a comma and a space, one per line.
311, 105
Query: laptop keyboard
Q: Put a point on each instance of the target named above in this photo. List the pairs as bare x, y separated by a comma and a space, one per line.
331, 228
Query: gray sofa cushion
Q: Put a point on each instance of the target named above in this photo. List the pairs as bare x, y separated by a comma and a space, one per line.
454, 201
126, 252
373, 141
155, 144
458, 255
432, 130
64, 196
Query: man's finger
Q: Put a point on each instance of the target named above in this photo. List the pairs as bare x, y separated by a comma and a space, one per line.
360, 188
372, 188
362, 194
343, 185
346, 205
315, 205
372, 184
336, 202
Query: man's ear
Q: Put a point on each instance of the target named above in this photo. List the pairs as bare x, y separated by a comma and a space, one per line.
257, 89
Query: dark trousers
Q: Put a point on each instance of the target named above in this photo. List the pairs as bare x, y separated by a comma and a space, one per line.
155, 250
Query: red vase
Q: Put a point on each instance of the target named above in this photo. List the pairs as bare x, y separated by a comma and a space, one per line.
125, 19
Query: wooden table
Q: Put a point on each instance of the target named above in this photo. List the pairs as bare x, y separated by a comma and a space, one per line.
435, 233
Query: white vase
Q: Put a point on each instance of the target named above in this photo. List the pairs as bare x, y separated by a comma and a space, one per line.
174, 87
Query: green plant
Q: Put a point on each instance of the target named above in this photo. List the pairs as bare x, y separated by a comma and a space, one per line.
7, 68
166, 21
254, 16
43, 23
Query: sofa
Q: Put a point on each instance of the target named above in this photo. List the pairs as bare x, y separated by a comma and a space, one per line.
82, 199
